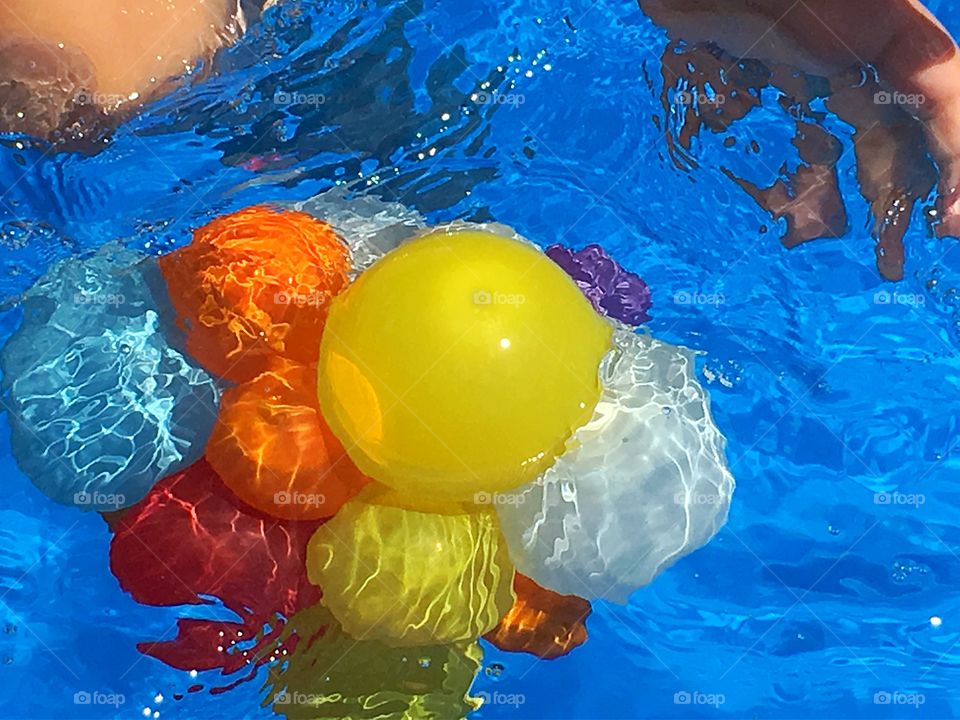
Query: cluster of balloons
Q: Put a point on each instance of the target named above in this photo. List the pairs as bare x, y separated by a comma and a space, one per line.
373, 426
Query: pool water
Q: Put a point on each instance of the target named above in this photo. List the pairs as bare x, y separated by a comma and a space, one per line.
830, 592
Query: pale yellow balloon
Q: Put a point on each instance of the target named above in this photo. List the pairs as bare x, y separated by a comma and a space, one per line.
410, 577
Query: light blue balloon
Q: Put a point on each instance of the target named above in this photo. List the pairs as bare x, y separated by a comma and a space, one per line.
101, 404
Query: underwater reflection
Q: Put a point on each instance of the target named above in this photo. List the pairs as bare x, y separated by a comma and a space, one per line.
330, 674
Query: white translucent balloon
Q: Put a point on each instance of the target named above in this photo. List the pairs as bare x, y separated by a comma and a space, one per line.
644, 483
371, 227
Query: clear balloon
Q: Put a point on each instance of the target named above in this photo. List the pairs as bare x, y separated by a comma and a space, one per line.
370, 227
642, 484
411, 577
460, 363
101, 405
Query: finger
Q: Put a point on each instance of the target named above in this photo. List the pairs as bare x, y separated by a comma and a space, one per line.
943, 130
894, 168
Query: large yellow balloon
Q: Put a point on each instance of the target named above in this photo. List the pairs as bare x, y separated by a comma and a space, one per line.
408, 577
459, 364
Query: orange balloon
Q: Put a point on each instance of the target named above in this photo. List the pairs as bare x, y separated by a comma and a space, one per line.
272, 447
541, 622
253, 284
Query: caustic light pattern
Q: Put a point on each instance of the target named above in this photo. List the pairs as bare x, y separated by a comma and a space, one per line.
642, 484
254, 284
191, 539
101, 406
406, 577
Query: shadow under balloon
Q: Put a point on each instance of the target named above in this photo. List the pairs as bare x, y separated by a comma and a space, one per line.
333, 675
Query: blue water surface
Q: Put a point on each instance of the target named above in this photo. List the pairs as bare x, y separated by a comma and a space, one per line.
841, 409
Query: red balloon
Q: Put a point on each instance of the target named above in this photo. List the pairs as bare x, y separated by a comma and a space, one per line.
192, 537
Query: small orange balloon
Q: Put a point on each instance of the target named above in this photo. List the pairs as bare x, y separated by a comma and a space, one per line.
541, 622
274, 450
253, 284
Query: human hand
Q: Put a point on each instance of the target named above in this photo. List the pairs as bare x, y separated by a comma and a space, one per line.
897, 83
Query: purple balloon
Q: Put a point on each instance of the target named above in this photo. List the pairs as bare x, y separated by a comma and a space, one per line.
613, 291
